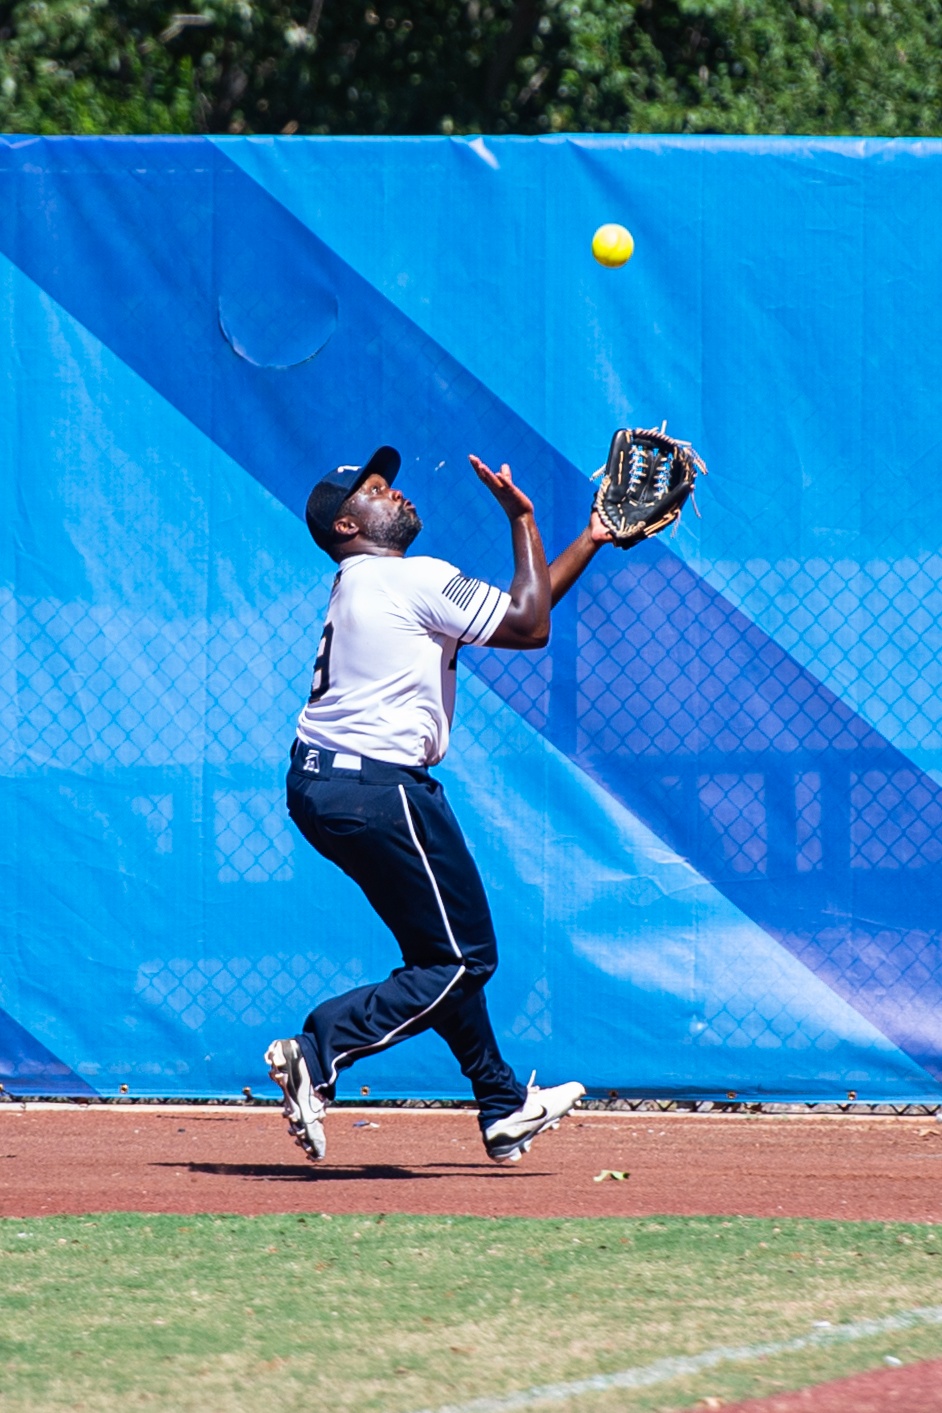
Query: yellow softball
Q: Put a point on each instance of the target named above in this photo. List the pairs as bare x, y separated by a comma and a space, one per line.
612, 245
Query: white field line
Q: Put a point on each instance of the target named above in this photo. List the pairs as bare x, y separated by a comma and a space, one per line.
681, 1366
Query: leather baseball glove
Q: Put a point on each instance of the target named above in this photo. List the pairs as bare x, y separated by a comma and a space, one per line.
645, 482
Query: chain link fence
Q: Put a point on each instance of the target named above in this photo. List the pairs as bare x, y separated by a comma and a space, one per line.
659, 689
771, 785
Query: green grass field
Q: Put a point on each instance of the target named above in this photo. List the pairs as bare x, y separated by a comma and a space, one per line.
399, 1314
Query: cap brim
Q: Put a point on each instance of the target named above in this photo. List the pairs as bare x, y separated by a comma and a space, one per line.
384, 462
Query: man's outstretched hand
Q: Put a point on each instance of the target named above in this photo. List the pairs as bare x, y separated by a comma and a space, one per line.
501, 486
597, 532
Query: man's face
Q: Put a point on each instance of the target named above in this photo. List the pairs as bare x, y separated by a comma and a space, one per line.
383, 514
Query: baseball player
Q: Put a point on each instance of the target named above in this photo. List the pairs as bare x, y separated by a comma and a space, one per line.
359, 789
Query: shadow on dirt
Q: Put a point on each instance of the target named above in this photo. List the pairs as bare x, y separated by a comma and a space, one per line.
368, 1172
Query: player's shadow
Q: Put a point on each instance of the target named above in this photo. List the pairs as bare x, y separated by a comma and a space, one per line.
300, 1172
366, 1172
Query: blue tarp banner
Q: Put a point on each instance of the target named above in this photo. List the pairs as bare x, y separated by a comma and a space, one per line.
708, 816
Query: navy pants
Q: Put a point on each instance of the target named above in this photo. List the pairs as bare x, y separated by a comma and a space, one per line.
392, 831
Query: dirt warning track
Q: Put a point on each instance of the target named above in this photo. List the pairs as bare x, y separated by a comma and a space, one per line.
71, 1159
915, 1389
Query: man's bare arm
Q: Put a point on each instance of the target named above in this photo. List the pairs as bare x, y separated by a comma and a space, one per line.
575, 558
526, 624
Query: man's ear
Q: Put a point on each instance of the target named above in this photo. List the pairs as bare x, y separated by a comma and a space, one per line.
345, 527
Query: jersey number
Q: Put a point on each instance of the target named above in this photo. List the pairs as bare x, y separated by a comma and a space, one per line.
321, 680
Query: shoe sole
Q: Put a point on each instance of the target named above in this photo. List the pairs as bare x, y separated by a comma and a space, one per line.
279, 1070
280, 1065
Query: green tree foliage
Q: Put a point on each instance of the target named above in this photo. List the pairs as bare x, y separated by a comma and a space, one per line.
90, 67
502, 66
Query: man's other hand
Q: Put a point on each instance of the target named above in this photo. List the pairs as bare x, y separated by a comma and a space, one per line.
501, 486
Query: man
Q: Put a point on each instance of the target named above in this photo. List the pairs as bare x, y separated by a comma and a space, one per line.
359, 789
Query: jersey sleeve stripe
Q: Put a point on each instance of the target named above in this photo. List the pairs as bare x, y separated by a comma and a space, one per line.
473, 632
490, 604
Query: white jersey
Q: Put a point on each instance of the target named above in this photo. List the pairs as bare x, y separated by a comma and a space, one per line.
384, 678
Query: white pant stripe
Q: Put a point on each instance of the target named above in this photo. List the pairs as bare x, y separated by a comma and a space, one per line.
431, 877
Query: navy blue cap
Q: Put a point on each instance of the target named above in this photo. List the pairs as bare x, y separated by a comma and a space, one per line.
325, 500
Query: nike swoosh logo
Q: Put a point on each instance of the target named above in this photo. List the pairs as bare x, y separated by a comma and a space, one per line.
522, 1126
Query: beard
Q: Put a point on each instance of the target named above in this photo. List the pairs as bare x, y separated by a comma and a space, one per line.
398, 532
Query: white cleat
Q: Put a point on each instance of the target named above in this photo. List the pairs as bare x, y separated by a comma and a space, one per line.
507, 1139
304, 1107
